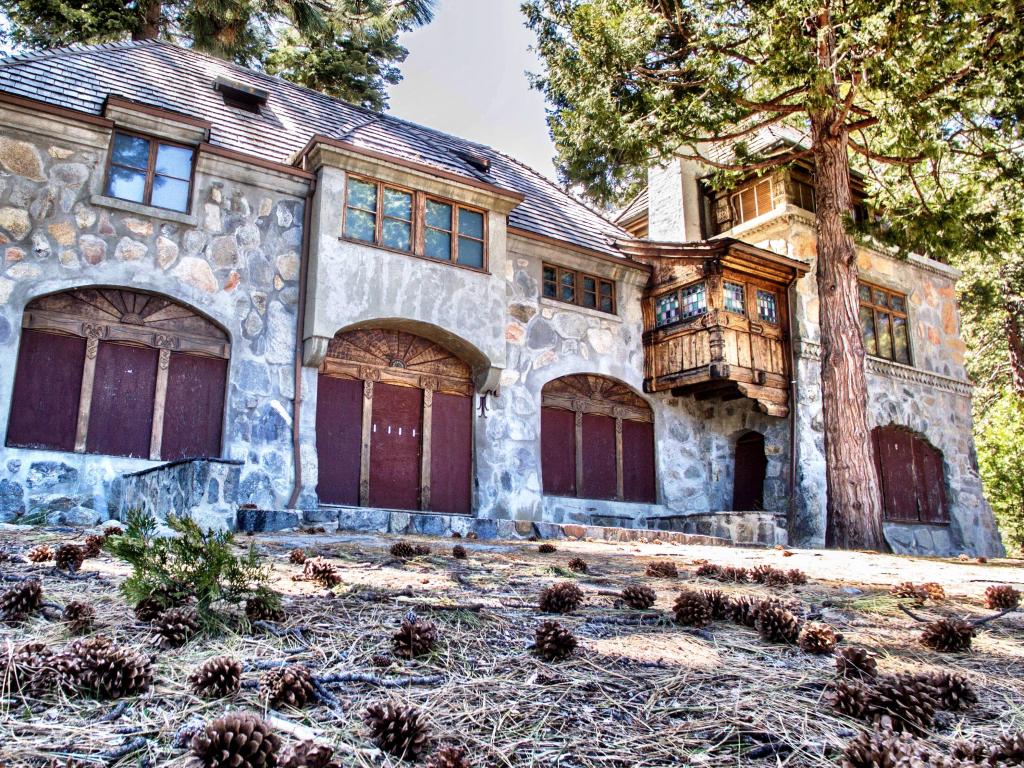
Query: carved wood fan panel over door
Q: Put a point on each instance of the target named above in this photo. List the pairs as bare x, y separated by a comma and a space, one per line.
150, 381
597, 440
414, 421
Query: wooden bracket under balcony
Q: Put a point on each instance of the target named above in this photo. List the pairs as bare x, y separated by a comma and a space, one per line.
716, 320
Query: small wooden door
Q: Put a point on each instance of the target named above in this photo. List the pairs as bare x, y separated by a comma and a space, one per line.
194, 403
638, 461
339, 409
749, 473
395, 447
912, 477
451, 453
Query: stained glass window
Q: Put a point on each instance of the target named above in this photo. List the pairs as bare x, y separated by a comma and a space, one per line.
734, 298
693, 301
767, 307
667, 309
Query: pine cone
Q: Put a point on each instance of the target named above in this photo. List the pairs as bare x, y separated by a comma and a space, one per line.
849, 698
578, 564
93, 545
79, 616
1009, 749
1001, 597
776, 624
901, 703
218, 677
380, 660
40, 554
662, 569
69, 557
719, 602
877, 749
291, 685
638, 596
563, 597
909, 589
421, 550
734, 573
692, 609
449, 757
403, 550
553, 641
953, 691
950, 635
776, 578
237, 740
760, 573
459, 552
322, 572
856, 663
817, 638
175, 626
309, 754
21, 600
546, 548
113, 530
970, 752
30, 670
105, 671
397, 729
708, 571
744, 610
297, 556
414, 638
796, 576
933, 590
264, 606
155, 603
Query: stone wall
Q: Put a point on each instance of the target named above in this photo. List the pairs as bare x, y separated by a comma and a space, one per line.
234, 257
205, 490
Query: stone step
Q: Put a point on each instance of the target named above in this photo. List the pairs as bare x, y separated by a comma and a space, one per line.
372, 520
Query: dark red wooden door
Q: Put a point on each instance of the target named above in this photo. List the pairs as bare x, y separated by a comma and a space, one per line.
930, 482
47, 387
395, 447
558, 451
599, 472
451, 453
121, 415
638, 461
895, 458
339, 428
194, 409
749, 473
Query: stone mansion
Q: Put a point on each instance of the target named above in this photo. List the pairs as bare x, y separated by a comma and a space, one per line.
225, 295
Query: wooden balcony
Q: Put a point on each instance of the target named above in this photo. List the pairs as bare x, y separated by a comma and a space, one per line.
716, 320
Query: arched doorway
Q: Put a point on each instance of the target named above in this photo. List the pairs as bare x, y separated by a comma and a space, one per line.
912, 476
394, 423
597, 440
749, 469
119, 372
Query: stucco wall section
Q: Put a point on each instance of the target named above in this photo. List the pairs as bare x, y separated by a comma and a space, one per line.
235, 259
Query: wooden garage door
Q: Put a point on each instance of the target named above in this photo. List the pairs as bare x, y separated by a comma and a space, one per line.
400, 435
121, 417
195, 401
558, 451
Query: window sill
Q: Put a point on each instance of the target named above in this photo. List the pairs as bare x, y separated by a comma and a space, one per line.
547, 301
145, 210
376, 247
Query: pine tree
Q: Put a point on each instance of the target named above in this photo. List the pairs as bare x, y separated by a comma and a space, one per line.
896, 90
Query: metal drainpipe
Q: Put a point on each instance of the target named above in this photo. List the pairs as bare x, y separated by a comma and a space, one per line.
307, 215
794, 391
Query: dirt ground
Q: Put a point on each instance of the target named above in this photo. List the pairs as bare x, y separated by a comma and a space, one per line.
638, 691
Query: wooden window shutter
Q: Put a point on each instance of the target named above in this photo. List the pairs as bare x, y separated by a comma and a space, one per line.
763, 192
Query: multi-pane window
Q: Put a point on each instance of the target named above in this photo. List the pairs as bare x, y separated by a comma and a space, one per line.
733, 297
402, 220
767, 307
150, 172
751, 201
684, 304
579, 288
883, 321
803, 195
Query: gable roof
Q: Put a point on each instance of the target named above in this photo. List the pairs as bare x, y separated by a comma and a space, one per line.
181, 80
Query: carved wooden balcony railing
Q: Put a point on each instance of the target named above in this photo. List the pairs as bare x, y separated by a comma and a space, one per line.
716, 320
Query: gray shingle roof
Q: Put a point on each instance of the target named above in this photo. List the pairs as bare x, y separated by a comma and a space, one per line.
168, 76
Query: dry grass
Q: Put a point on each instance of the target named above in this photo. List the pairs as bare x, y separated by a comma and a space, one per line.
638, 691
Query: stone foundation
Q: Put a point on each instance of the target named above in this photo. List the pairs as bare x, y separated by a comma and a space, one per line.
205, 490
744, 528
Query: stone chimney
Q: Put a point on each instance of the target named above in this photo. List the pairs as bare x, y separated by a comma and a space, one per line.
673, 201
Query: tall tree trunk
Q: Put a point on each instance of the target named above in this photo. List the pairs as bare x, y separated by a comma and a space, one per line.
150, 29
1013, 304
854, 498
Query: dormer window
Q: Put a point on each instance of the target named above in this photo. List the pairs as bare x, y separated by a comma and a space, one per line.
151, 172
402, 220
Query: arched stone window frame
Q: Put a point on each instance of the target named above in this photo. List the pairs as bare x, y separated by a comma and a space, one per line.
123, 317
585, 395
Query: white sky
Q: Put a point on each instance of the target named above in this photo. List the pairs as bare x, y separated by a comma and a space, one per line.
465, 75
